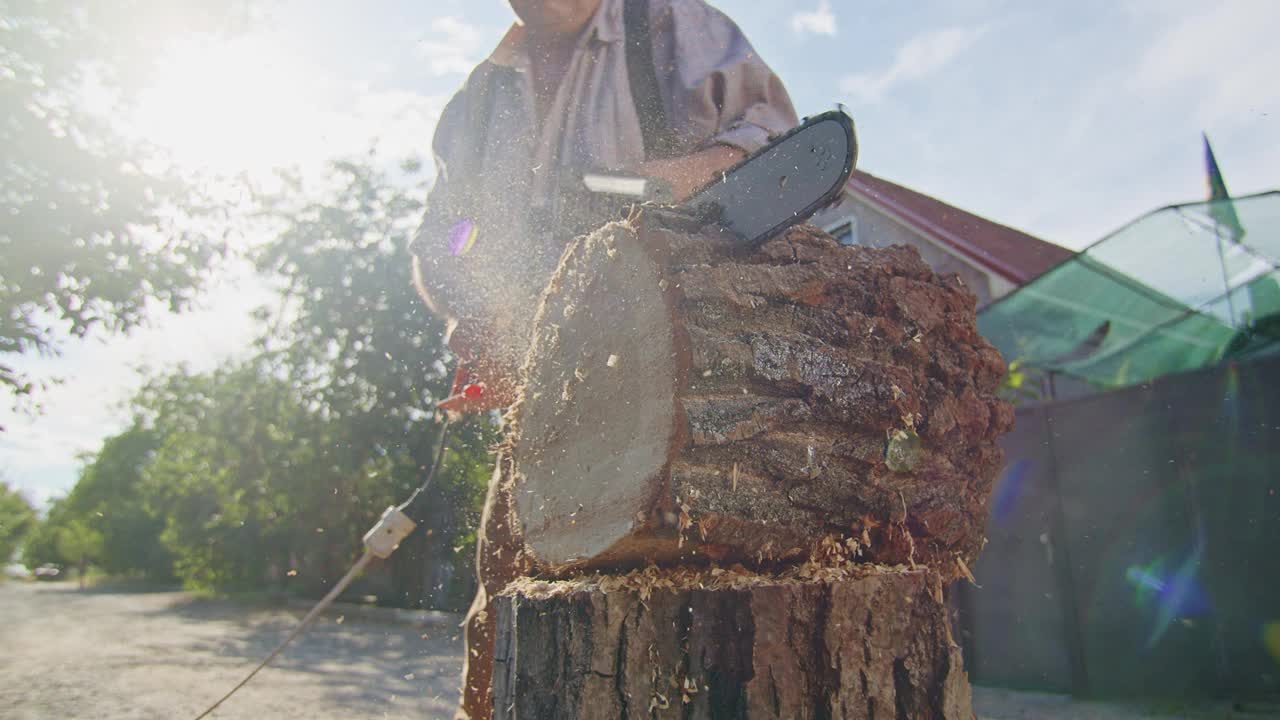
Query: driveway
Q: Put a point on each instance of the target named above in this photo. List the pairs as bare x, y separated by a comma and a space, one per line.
103, 654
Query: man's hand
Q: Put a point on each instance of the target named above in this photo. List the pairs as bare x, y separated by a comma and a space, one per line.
475, 391
479, 383
690, 172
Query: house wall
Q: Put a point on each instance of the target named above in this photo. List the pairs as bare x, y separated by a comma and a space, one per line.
874, 228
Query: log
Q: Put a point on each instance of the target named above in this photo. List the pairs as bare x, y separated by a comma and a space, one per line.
684, 400
691, 645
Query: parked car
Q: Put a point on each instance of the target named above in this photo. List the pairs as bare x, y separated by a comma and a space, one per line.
17, 571
48, 572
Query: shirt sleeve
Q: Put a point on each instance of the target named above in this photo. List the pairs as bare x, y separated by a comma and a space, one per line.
726, 94
443, 151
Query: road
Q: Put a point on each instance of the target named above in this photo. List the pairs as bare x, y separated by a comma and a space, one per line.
101, 654
113, 655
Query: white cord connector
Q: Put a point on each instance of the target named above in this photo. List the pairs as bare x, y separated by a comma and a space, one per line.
384, 537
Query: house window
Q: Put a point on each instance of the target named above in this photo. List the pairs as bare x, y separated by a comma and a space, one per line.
846, 233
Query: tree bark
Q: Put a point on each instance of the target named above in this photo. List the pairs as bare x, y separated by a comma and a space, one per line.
684, 400
688, 644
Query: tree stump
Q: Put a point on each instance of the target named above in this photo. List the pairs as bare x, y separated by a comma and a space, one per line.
684, 400
688, 644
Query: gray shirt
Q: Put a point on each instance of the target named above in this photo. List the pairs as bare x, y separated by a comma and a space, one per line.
496, 166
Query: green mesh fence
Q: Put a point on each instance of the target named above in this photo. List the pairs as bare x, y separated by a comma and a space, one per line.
1170, 292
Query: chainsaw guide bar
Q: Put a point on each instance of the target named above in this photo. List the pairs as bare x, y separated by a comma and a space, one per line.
783, 183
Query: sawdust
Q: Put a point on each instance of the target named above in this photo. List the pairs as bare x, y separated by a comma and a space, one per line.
966, 573
832, 560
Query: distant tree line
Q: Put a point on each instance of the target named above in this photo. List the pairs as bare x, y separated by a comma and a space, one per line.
17, 519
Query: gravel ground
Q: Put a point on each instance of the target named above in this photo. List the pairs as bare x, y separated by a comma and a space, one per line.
102, 654
111, 655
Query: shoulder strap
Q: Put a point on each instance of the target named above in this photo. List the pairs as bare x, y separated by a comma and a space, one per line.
643, 75
482, 115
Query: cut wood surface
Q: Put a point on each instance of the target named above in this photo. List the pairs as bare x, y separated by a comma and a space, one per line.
677, 643
686, 401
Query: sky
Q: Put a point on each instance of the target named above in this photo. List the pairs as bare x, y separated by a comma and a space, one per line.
1063, 119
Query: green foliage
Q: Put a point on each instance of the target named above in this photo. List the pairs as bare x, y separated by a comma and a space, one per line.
89, 235
40, 546
260, 485
106, 513
78, 542
359, 339
1020, 384
17, 519
244, 476
369, 353
110, 499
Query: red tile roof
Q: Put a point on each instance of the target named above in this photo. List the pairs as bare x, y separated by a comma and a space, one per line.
1010, 253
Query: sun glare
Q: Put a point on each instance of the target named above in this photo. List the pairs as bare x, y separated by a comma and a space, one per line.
228, 107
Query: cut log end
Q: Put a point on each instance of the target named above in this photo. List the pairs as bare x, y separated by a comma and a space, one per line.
596, 413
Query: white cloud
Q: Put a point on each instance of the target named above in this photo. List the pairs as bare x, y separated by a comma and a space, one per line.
1220, 56
457, 52
921, 56
818, 22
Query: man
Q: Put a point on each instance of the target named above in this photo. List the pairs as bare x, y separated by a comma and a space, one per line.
668, 89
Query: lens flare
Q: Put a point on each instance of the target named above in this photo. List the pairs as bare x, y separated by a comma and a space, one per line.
1146, 580
462, 236
1173, 595
1231, 395
1009, 488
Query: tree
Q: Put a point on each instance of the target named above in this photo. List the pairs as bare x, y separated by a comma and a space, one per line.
358, 339
260, 484
17, 519
79, 544
109, 498
90, 234
245, 478
107, 506
41, 545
